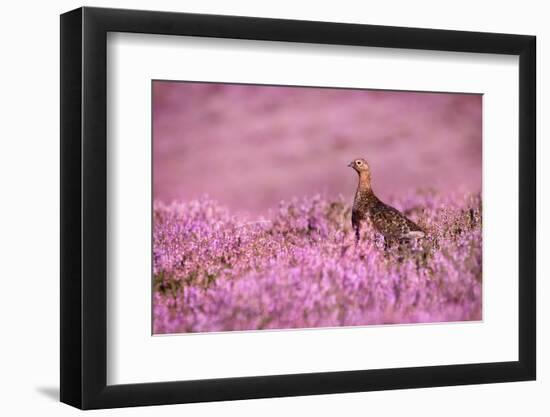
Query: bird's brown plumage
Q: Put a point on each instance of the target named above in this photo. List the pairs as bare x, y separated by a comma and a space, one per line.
367, 207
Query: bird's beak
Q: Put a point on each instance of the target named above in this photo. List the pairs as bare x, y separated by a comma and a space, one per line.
350, 164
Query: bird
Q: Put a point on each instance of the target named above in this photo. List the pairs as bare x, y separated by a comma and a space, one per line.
385, 219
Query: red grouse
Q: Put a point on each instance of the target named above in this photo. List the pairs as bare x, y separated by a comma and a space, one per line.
386, 220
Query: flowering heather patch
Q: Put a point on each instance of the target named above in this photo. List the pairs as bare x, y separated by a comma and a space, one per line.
214, 271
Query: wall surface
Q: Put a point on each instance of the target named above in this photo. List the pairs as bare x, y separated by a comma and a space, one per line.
29, 223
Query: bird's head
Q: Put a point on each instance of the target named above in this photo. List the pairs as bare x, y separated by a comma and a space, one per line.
360, 165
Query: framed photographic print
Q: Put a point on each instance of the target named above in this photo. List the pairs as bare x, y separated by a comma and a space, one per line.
258, 207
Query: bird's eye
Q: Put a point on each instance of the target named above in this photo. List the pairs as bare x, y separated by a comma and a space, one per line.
358, 162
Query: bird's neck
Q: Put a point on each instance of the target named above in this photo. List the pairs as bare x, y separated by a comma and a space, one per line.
364, 185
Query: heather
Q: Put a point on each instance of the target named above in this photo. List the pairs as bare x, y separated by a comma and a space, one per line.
300, 267
251, 146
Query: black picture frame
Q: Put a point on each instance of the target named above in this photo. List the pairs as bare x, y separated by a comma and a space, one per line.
84, 207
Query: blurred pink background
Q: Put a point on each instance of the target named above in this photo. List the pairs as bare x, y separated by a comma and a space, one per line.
250, 146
